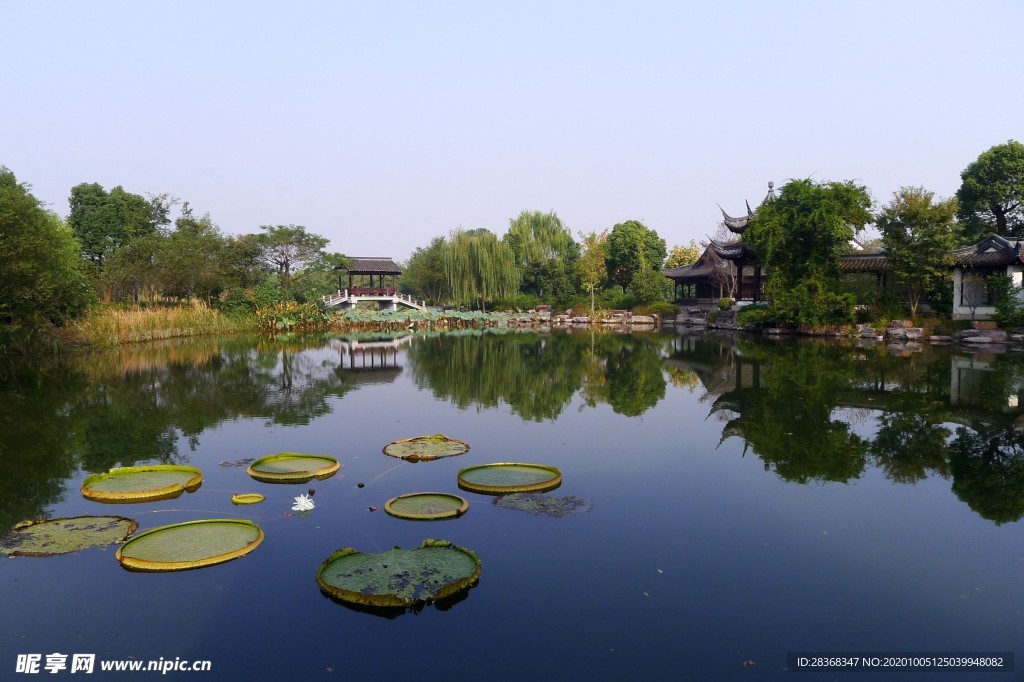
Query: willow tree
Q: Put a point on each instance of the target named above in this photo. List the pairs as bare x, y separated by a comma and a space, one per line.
478, 267
538, 237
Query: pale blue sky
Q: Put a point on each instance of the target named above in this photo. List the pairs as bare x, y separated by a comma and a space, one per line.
383, 124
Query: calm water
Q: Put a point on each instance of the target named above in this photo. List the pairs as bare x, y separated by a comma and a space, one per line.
747, 499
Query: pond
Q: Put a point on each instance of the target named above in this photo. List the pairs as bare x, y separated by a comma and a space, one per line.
724, 501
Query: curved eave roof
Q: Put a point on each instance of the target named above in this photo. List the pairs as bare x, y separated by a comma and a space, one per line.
993, 251
689, 272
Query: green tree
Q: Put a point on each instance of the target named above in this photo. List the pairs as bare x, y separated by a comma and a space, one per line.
919, 236
478, 267
540, 237
798, 238
289, 247
991, 195
633, 247
424, 274
194, 257
43, 280
683, 255
136, 269
592, 265
244, 261
647, 286
106, 221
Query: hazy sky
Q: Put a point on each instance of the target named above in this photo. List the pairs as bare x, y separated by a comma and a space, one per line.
383, 124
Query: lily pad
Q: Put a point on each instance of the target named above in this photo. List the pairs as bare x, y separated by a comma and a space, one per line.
247, 498
424, 448
543, 505
145, 483
510, 477
66, 535
192, 544
293, 467
427, 506
399, 577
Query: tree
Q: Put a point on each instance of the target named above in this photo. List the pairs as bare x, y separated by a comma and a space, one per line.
798, 238
288, 248
106, 221
424, 274
479, 268
44, 280
631, 248
539, 237
683, 255
991, 195
647, 286
592, 265
919, 236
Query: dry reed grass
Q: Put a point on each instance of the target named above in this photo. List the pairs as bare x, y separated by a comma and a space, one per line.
114, 326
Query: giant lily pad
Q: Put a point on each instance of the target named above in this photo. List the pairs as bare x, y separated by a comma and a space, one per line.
427, 506
65, 535
193, 544
426, 448
142, 483
543, 505
247, 498
399, 577
293, 467
510, 477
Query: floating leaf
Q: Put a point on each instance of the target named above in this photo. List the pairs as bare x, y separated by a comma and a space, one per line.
293, 467
427, 506
399, 577
145, 483
510, 477
247, 498
426, 448
542, 505
66, 535
192, 544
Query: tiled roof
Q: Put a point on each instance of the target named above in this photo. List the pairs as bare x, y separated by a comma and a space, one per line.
992, 251
863, 262
362, 265
689, 272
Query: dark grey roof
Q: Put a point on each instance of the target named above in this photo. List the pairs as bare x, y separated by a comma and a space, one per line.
692, 271
730, 251
371, 265
992, 251
737, 225
869, 261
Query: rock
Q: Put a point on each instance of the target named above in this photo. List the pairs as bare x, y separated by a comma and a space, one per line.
896, 332
914, 333
642, 319
986, 325
940, 339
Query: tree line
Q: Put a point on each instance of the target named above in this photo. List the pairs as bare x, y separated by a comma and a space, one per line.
115, 245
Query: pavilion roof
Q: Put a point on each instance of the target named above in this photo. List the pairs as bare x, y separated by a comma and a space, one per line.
992, 251
372, 265
738, 225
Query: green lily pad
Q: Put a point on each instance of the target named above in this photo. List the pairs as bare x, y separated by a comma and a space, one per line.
426, 506
510, 477
399, 577
247, 498
66, 535
426, 448
542, 505
293, 467
193, 544
145, 483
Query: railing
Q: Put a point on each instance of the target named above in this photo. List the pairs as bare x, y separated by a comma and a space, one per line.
342, 295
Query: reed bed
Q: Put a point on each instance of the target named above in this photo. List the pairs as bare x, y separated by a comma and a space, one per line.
114, 326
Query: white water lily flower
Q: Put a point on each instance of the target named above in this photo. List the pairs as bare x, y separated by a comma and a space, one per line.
303, 503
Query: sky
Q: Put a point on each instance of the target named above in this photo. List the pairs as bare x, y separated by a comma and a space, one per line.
381, 125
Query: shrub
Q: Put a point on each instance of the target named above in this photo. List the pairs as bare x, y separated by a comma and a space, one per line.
759, 315
724, 303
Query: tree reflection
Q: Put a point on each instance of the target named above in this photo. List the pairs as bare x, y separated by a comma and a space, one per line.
988, 472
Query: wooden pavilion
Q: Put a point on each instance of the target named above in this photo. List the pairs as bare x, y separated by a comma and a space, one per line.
372, 276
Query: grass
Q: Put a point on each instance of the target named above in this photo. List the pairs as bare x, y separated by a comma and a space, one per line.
110, 325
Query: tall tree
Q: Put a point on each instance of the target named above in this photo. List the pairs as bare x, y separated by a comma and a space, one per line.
106, 221
798, 237
43, 280
540, 237
991, 195
592, 265
681, 255
424, 274
633, 247
919, 236
288, 248
479, 267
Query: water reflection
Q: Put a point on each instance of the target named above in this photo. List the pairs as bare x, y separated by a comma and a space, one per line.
811, 411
